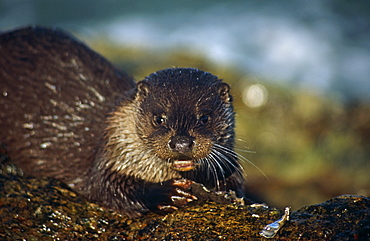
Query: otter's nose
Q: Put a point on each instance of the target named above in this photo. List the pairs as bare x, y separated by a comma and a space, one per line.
181, 144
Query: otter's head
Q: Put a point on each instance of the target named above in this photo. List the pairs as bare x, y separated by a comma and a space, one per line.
185, 116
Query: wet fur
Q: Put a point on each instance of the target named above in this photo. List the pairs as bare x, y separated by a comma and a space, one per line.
121, 160
55, 95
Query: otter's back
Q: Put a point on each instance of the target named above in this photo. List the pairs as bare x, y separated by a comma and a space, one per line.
55, 94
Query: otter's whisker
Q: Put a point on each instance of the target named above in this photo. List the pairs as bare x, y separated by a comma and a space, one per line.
213, 161
244, 159
213, 170
232, 154
224, 159
245, 151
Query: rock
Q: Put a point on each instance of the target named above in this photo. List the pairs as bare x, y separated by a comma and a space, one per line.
46, 209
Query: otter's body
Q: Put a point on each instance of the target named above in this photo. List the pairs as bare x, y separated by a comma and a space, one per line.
67, 113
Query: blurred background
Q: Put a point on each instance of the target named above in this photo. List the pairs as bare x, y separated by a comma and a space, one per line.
299, 72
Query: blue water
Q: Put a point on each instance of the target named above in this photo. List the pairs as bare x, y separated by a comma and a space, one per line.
319, 45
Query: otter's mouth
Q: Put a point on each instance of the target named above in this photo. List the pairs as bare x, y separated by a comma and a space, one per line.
183, 165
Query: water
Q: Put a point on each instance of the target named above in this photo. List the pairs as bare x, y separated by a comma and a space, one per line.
323, 46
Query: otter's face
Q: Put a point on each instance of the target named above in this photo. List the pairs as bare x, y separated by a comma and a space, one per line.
186, 117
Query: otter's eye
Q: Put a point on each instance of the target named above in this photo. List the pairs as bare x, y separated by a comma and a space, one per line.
160, 120
204, 119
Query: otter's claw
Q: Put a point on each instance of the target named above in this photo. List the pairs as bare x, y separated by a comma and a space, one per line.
182, 183
172, 195
189, 197
182, 199
167, 208
179, 197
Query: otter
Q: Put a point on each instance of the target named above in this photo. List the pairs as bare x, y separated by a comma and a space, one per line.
67, 113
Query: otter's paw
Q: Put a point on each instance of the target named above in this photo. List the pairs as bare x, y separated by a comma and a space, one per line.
171, 195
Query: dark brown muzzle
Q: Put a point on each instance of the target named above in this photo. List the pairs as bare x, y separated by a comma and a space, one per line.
181, 144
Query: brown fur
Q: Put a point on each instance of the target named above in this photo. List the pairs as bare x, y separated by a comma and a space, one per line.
68, 113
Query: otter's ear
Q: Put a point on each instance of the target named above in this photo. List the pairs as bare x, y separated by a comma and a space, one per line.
224, 91
142, 90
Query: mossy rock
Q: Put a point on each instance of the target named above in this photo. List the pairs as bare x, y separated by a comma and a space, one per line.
46, 209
